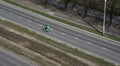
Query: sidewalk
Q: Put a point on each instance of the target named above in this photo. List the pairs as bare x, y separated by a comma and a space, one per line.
77, 20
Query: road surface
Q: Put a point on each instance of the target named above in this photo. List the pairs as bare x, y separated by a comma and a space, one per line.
9, 59
95, 45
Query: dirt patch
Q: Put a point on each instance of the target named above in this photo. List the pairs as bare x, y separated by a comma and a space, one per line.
48, 52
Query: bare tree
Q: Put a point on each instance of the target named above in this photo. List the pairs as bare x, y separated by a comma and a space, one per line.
112, 11
86, 6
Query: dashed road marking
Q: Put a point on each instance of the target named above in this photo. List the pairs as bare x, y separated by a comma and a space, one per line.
76, 38
63, 33
104, 48
40, 25
19, 17
90, 43
29, 20
11, 13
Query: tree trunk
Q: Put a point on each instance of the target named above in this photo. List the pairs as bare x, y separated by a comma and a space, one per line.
85, 8
112, 11
66, 3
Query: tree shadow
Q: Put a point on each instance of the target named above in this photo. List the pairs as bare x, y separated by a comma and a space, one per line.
91, 25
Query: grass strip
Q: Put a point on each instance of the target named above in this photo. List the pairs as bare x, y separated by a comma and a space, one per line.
64, 21
64, 47
9, 46
41, 48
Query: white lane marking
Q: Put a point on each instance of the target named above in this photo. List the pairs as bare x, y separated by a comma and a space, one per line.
29, 20
104, 48
93, 44
10, 13
76, 38
40, 25
63, 33
19, 17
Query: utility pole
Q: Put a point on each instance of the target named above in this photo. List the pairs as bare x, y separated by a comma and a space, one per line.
104, 17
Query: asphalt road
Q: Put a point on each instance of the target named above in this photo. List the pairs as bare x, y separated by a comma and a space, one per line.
9, 59
95, 45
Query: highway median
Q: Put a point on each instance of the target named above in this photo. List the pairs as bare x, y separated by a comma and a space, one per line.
25, 53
